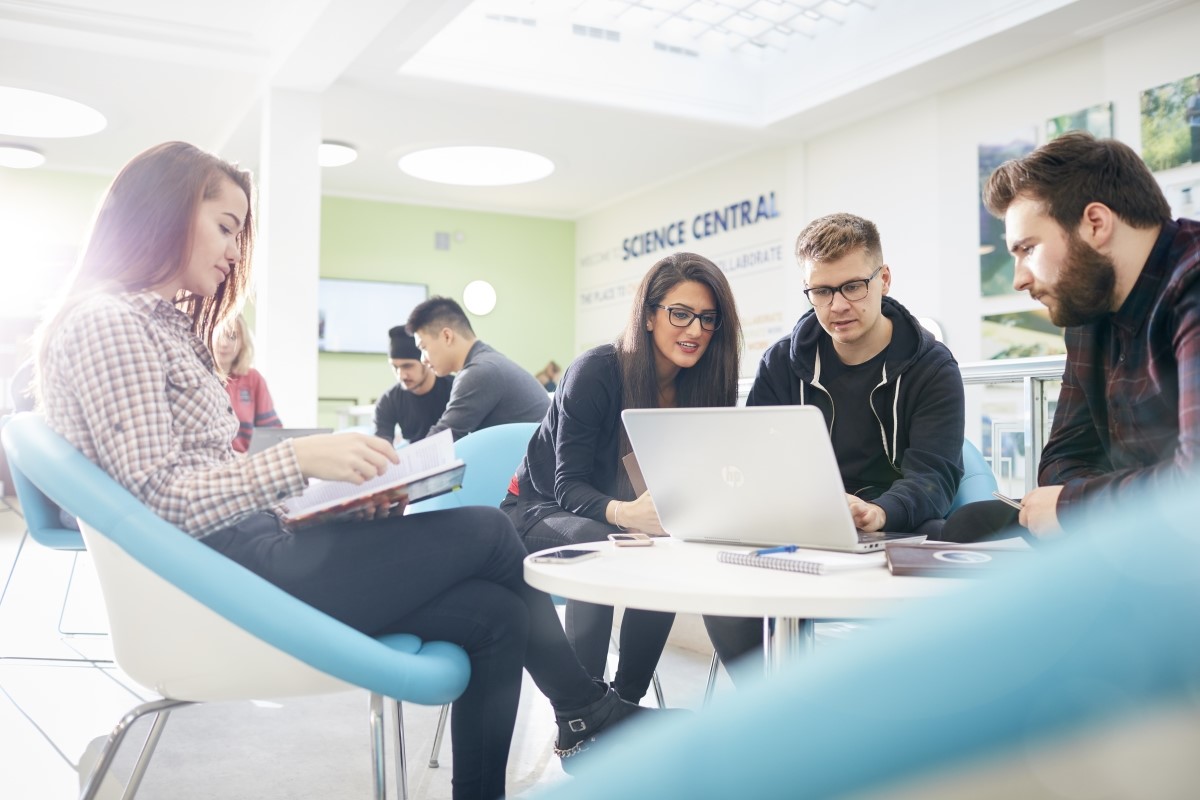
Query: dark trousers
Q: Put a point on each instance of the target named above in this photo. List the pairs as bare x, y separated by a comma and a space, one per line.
589, 626
452, 576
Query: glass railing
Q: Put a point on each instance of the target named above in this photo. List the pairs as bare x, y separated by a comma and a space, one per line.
1010, 405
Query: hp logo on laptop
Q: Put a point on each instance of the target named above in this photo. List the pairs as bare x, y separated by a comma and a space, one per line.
732, 476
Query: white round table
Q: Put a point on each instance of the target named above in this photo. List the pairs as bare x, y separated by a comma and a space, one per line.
686, 577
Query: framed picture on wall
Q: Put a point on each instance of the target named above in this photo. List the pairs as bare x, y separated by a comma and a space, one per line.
995, 262
1096, 120
355, 316
1171, 124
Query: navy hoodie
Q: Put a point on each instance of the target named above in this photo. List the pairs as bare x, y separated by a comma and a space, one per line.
918, 405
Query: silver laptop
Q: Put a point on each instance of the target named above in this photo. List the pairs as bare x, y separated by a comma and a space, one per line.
747, 476
262, 438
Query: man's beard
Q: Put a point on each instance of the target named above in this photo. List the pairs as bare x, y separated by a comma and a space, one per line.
1084, 290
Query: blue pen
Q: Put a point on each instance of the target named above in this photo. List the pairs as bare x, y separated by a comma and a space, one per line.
787, 548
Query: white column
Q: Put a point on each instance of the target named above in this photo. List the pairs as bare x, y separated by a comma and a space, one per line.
287, 253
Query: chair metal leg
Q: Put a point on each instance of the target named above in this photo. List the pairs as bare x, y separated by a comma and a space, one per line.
62, 612
143, 759
658, 692
96, 778
379, 778
48, 660
437, 736
654, 681
712, 677
13, 568
400, 750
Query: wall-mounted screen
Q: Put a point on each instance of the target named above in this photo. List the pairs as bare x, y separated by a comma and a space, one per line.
354, 316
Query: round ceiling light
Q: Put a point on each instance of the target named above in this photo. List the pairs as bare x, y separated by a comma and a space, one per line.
335, 154
479, 297
476, 166
19, 156
28, 113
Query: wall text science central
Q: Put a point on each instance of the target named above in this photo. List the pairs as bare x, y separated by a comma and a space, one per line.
674, 235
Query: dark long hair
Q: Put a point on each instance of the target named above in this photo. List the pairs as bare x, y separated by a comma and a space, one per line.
713, 381
142, 235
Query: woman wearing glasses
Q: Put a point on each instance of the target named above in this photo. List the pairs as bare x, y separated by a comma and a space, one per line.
680, 348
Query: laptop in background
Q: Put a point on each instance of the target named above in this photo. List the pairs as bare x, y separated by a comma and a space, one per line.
764, 475
262, 438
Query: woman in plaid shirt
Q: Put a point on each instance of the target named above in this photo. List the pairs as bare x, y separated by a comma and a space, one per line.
125, 373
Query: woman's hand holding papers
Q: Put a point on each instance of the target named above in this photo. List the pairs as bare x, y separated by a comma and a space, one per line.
352, 457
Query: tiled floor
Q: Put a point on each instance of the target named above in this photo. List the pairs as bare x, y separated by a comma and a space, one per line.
52, 716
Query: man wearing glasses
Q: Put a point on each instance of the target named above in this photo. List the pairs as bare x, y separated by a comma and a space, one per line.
891, 394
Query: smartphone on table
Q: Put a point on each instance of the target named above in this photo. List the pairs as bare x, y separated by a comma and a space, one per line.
564, 556
630, 539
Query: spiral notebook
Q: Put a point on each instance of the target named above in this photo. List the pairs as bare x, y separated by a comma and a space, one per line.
812, 562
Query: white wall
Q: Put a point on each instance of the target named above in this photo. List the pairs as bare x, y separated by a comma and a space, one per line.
911, 170
767, 291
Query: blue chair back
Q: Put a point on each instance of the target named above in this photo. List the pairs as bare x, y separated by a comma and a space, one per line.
978, 481
492, 455
42, 516
398, 666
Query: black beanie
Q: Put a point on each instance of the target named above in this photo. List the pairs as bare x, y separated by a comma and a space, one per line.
402, 345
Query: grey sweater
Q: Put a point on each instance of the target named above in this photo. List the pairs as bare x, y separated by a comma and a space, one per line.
491, 390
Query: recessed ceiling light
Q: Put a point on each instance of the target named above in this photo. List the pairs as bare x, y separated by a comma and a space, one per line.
476, 166
335, 154
28, 113
19, 156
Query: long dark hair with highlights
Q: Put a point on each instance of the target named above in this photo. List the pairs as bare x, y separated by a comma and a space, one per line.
713, 381
142, 235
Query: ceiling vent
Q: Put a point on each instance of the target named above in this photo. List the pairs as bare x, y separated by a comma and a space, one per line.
592, 32
509, 19
675, 49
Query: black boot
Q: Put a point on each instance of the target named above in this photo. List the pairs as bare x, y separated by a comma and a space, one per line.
578, 728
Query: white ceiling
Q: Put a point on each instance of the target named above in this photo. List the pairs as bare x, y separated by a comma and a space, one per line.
615, 111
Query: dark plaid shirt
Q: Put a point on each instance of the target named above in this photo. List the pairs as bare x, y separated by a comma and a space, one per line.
1129, 411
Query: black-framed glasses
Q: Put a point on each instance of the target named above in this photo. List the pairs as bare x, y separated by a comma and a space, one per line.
682, 317
851, 290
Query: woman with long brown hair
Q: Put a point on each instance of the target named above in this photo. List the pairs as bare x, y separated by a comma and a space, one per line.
680, 349
126, 374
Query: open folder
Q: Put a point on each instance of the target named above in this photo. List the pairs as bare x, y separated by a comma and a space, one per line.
426, 468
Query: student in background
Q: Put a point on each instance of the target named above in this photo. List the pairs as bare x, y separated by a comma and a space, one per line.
418, 398
125, 374
891, 394
488, 389
680, 349
549, 376
1093, 240
249, 397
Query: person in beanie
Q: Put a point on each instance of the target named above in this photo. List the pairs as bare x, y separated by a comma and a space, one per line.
419, 396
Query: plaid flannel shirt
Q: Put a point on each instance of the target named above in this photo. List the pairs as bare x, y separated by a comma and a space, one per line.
1129, 411
129, 385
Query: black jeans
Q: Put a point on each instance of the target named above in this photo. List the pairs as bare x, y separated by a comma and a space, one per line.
452, 576
589, 626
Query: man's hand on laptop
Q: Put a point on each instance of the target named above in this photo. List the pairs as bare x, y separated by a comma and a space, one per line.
637, 515
867, 516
